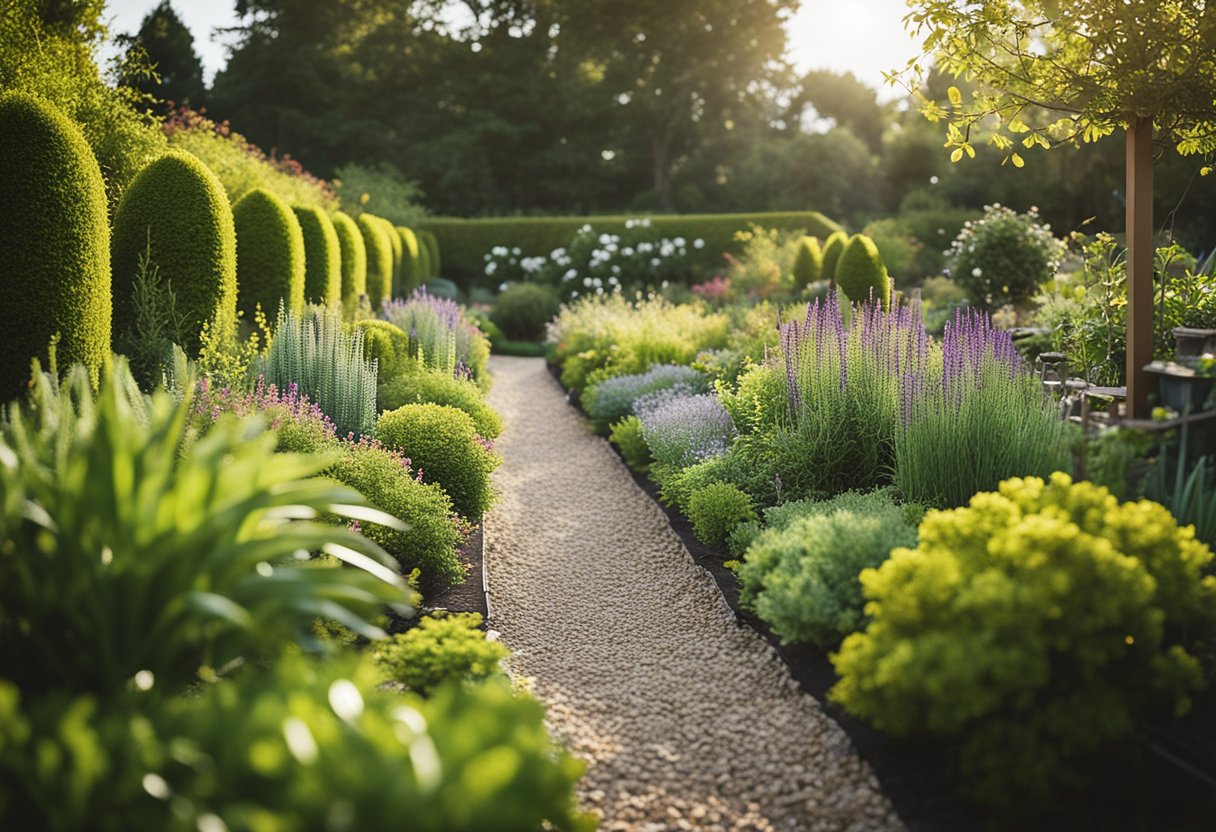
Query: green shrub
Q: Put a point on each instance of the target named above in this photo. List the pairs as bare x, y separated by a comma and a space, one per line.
429, 538
421, 385
443, 288
322, 257
353, 256
388, 346
380, 269
398, 246
442, 443
801, 577
523, 310
627, 435
716, 509
381, 189
442, 335
860, 272
833, 247
269, 254
54, 243
442, 648
414, 268
428, 239
326, 363
808, 265
1004, 256
424, 260
162, 556
1036, 625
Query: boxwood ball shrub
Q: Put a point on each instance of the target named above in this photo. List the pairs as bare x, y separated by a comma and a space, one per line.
322, 257
1036, 625
379, 259
833, 247
442, 444
801, 574
269, 254
808, 264
716, 509
414, 268
353, 253
861, 273
419, 384
442, 648
389, 481
523, 310
1004, 256
388, 345
54, 243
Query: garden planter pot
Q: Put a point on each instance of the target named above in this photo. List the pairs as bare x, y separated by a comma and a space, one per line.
1192, 343
1180, 388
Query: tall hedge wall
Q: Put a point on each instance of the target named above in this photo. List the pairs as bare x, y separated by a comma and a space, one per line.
465, 242
269, 254
354, 257
322, 257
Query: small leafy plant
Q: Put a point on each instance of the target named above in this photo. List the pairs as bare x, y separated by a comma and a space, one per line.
441, 648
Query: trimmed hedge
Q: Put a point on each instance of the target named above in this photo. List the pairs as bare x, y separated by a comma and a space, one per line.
354, 257
269, 254
54, 242
398, 246
380, 268
465, 242
413, 267
860, 271
428, 240
177, 206
322, 257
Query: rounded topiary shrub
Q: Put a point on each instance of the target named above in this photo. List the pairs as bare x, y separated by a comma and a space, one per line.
833, 246
379, 259
716, 509
428, 240
861, 274
395, 242
176, 210
1004, 256
388, 345
442, 443
808, 263
322, 257
353, 255
442, 648
1037, 625
524, 310
413, 261
422, 385
389, 482
54, 243
269, 254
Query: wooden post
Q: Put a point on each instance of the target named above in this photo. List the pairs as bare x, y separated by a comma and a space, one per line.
1140, 253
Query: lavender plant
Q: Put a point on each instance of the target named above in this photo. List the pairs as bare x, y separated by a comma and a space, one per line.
614, 398
440, 335
682, 429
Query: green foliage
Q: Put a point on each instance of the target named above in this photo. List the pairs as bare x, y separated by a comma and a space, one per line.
123, 550
765, 265
428, 540
167, 44
860, 272
523, 311
382, 190
442, 335
388, 346
397, 244
54, 242
716, 509
414, 266
442, 443
354, 257
1036, 625
175, 210
269, 254
440, 649
1004, 256
465, 241
379, 247
808, 265
322, 257
758, 401
158, 325
801, 574
428, 240
421, 385
833, 247
315, 352
627, 435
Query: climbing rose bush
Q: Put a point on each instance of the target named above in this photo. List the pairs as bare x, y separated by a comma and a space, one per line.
1036, 625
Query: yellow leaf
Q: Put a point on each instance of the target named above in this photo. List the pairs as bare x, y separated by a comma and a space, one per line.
1205, 170
1017, 160
1018, 126
956, 97
970, 150
956, 155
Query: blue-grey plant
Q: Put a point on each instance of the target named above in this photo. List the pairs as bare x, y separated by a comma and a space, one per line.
613, 398
682, 429
315, 352
440, 335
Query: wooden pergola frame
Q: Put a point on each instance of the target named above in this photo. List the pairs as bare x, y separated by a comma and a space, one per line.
1141, 249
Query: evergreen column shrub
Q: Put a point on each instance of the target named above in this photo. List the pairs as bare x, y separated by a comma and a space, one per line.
54, 243
353, 255
808, 264
414, 268
379, 259
322, 257
176, 210
269, 254
398, 247
861, 271
431, 243
833, 246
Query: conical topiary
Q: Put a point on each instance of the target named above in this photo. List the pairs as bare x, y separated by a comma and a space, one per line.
808, 264
54, 243
354, 257
176, 210
322, 257
861, 271
379, 259
413, 270
833, 246
431, 242
269, 254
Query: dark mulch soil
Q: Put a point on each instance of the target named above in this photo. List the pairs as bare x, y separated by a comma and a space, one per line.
467, 596
1138, 790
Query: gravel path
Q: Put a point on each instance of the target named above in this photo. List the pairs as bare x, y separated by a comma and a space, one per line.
687, 720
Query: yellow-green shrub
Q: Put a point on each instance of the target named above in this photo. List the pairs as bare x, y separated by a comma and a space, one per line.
832, 248
808, 264
419, 384
269, 254
353, 255
387, 345
322, 257
428, 240
413, 265
860, 272
442, 648
380, 269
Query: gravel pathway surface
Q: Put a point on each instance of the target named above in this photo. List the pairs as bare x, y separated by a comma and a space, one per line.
687, 720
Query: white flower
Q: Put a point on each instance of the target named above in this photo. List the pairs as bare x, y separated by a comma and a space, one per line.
599, 291
616, 269
612, 281
629, 223
488, 257
597, 282
680, 242
977, 271
626, 252
586, 281
517, 251
574, 294
570, 275
698, 243
645, 222
664, 284
502, 287
654, 262
491, 267
605, 239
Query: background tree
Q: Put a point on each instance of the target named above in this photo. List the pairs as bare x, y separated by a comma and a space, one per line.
168, 47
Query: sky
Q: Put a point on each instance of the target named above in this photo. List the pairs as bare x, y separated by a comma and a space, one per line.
865, 37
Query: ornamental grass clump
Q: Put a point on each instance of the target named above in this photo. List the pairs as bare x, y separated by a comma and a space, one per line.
973, 416
440, 335
682, 430
325, 361
613, 398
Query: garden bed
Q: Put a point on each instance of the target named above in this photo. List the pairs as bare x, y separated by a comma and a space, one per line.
471, 594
